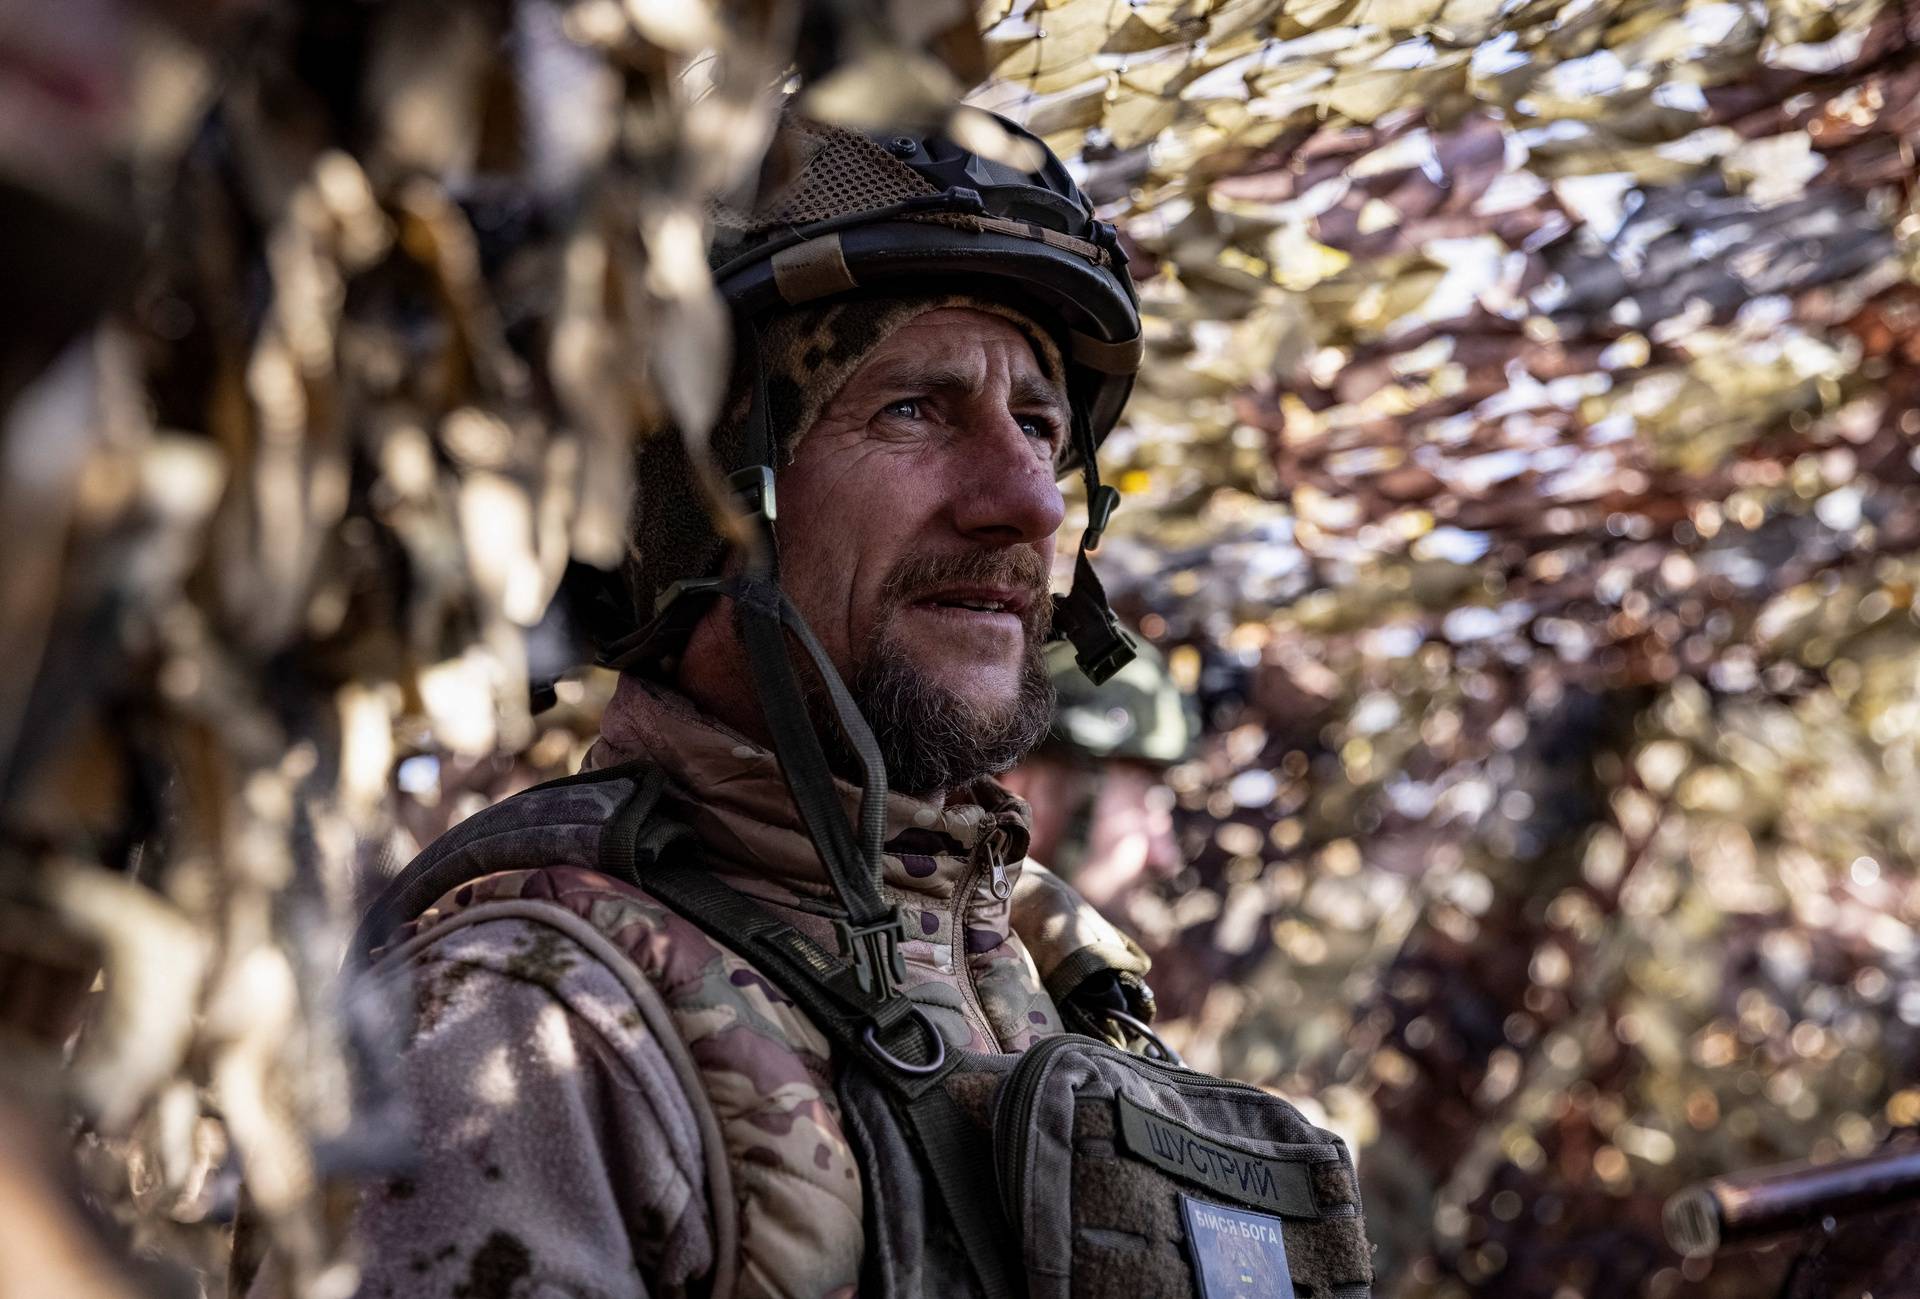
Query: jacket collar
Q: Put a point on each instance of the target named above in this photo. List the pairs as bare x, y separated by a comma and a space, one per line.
729, 789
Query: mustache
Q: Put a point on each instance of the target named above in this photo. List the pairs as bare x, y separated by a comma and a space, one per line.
1017, 567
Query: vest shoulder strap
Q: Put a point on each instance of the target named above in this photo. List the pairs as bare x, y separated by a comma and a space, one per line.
596, 820
608, 821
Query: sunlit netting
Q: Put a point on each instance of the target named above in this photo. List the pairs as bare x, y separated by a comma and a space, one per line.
1524, 468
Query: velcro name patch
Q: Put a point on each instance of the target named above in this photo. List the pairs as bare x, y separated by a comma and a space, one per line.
1247, 1176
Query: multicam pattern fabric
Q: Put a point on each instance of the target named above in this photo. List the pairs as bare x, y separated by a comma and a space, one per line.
763, 1066
560, 1151
957, 873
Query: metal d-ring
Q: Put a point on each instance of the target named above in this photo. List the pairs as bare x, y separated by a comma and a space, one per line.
1139, 1029
939, 1047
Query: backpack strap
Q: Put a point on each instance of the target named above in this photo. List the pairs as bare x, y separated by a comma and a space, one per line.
887, 1035
507, 836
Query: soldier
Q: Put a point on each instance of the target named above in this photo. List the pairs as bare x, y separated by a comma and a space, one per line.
1102, 812
710, 1015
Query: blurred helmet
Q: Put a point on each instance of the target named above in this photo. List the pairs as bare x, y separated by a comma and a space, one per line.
1139, 713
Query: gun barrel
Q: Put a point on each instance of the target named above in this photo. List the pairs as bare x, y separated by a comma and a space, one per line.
1743, 1208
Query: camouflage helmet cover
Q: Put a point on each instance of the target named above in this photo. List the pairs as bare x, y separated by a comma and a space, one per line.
919, 215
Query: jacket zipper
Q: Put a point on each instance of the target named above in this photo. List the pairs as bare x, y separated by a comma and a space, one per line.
997, 864
991, 856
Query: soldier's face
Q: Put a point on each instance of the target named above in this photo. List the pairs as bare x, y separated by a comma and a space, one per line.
916, 528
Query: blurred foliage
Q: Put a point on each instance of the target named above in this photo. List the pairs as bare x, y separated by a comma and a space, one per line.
1524, 475
415, 276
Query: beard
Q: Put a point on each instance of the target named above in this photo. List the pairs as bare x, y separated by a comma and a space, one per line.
931, 738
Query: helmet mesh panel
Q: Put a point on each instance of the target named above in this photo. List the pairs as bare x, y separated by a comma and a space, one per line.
844, 172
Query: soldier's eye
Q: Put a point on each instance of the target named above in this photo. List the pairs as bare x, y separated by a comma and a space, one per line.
1034, 427
907, 408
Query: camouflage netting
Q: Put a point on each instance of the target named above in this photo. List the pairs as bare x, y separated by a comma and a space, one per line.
1524, 473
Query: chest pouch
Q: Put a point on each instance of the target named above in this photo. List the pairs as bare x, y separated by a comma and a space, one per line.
1074, 1170
1116, 1177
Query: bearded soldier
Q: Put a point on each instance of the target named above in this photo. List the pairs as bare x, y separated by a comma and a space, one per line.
741, 1008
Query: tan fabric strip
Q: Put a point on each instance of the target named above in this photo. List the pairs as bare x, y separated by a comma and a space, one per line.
814, 269
1108, 358
1052, 238
1092, 252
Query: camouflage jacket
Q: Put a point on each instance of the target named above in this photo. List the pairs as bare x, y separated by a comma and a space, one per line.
612, 1104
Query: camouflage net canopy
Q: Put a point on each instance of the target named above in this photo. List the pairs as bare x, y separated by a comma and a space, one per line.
1523, 473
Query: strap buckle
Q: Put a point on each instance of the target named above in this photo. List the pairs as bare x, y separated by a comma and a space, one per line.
1102, 662
878, 967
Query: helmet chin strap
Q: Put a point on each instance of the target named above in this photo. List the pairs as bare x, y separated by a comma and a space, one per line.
1082, 615
871, 933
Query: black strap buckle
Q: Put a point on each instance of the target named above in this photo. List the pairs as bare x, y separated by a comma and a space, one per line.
878, 967
1100, 663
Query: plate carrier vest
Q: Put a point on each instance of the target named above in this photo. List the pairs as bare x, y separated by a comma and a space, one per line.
1074, 1170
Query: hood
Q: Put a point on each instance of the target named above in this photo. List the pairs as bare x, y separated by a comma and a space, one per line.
730, 791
